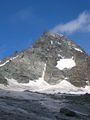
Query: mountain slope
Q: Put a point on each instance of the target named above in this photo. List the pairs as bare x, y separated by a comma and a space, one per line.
64, 60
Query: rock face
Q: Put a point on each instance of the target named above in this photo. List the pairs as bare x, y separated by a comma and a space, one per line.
62, 57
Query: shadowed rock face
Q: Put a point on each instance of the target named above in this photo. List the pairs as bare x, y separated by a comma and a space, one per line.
49, 49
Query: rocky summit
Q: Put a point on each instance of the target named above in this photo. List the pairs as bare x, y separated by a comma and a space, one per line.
64, 60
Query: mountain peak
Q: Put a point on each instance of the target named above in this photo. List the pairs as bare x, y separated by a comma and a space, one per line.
58, 42
63, 58
53, 34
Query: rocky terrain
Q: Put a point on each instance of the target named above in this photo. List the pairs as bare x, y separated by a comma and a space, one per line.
35, 106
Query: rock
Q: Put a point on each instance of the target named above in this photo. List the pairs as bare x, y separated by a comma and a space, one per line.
67, 112
3, 80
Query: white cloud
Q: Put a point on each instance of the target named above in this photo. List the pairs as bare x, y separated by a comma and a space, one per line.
81, 23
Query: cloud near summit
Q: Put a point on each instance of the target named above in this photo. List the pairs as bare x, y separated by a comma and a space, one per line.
81, 23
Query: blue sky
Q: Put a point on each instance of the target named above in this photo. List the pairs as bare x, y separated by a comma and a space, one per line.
23, 21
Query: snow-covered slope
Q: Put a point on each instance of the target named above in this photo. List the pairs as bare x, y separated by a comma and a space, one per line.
42, 86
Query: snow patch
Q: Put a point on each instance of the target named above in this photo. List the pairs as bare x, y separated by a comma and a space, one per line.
61, 56
51, 42
77, 49
65, 63
12, 58
4, 63
58, 43
43, 87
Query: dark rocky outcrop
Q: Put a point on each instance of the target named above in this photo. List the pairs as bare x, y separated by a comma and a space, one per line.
68, 112
3, 80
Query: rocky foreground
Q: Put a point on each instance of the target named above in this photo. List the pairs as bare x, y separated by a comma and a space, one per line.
35, 106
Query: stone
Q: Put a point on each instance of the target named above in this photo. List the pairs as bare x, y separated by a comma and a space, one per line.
67, 112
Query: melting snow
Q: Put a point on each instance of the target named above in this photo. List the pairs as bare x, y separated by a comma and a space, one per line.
42, 86
65, 63
77, 49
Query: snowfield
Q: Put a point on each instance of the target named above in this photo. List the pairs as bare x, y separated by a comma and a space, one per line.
42, 86
65, 63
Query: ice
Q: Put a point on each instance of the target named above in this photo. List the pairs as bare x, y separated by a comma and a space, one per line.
65, 63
